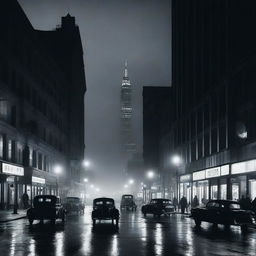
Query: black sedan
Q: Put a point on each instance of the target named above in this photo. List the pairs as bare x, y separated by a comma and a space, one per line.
46, 207
222, 212
157, 207
104, 209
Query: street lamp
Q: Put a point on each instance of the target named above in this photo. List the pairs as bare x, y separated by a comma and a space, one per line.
150, 174
176, 160
86, 163
58, 170
131, 181
86, 180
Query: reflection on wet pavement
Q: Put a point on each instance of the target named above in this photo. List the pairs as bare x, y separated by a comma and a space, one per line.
174, 235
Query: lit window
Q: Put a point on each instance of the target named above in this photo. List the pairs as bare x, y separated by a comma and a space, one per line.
9, 149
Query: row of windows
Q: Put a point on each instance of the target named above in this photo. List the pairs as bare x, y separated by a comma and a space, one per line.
13, 151
202, 119
204, 145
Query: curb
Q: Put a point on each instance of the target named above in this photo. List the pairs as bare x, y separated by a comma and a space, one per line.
18, 218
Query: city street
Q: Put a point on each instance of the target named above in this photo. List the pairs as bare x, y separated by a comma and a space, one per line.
175, 235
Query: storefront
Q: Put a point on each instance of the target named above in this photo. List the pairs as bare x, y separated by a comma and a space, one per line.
211, 183
185, 187
243, 179
10, 175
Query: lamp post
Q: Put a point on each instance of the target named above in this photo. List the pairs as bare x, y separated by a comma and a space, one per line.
58, 171
176, 160
150, 175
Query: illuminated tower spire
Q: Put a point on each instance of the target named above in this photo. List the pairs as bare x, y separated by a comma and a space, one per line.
126, 69
127, 142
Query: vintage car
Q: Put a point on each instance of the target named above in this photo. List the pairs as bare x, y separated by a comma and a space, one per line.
222, 212
104, 209
157, 207
46, 207
127, 203
74, 204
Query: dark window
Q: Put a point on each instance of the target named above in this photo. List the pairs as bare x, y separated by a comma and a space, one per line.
193, 151
193, 125
222, 137
214, 140
40, 161
206, 144
34, 159
200, 147
199, 121
206, 116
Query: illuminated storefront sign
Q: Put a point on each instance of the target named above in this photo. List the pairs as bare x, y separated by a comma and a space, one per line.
212, 172
38, 180
199, 175
224, 170
243, 167
185, 178
12, 169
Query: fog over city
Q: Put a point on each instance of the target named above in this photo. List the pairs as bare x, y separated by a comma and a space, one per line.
113, 31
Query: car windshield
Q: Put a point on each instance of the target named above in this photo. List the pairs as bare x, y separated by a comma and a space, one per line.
127, 197
154, 202
73, 200
165, 202
44, 201
213, 205
106, 203
234, 206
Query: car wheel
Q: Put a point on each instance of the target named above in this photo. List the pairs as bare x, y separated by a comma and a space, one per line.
117, 221
31, 221
198, 222
145, 215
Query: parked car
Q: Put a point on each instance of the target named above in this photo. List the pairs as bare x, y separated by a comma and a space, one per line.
223, 212
127, 203
104, 209
157, 207
46, 207
74, 204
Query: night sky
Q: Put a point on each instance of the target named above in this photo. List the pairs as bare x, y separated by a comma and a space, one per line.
112, 31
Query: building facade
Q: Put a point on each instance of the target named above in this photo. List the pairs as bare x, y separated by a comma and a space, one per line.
42, 84
213, 81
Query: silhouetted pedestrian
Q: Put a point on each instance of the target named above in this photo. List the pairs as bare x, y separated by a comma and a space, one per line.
25, 199
175, 203
254, 205
183, 204
195, 202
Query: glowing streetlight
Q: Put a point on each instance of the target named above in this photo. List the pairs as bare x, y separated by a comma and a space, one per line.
131, 181
150, 174
86, 163
86, 180
58, 169
176, 160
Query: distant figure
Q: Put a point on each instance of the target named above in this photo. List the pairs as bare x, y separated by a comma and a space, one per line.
204, 201
175, 203
195, 202
183, 204
25, 199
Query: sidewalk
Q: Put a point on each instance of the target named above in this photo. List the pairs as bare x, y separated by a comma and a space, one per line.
7, 215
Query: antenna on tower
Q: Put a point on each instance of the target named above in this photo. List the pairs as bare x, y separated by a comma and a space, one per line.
126, 69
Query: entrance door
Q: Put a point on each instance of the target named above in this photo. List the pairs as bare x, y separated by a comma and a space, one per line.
252, 186
223, 191
235, 191
214, 192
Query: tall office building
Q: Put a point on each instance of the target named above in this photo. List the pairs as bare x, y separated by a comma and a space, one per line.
127, 143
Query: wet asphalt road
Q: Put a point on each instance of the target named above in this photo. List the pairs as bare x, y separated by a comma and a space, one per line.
174, 235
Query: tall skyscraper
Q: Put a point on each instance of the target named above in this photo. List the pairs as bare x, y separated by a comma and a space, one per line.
127, 142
